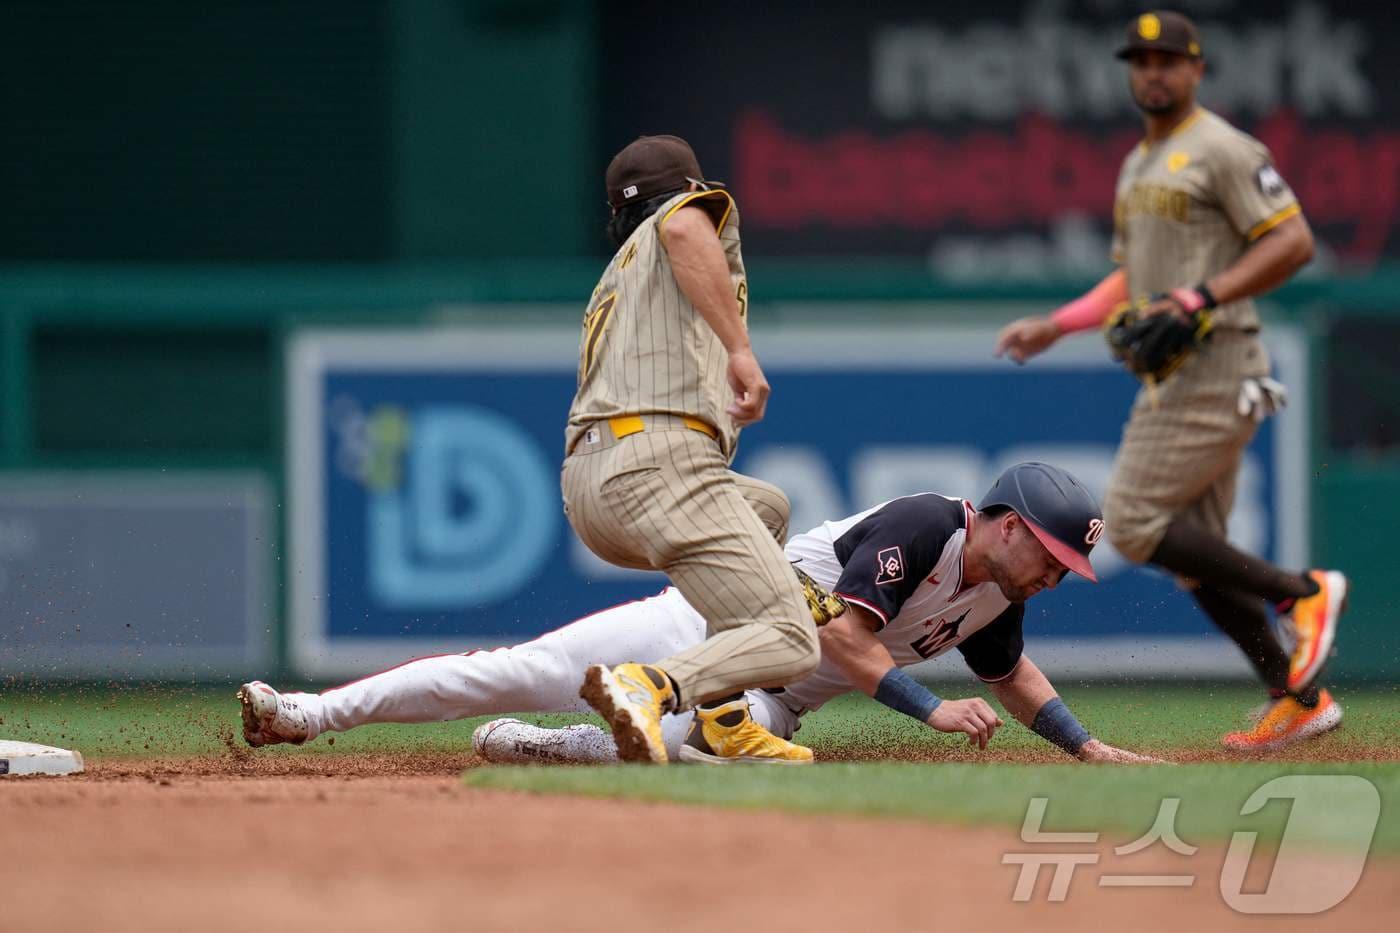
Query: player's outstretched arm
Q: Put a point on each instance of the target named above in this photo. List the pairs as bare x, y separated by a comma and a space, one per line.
1029, 697
849, 642
1023, 339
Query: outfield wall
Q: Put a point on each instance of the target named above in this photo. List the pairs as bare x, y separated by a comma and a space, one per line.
160, 376
422, 478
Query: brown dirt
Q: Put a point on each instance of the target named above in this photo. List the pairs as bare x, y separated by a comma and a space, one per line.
361, 842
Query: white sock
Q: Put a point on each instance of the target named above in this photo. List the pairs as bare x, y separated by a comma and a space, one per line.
310, 704
512, 742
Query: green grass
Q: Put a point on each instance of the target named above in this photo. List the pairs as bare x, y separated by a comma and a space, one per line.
144, 721
1121, 802
163, 721
1152, 717
125, 722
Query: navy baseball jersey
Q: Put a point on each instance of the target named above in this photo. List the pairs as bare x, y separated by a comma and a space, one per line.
903, 561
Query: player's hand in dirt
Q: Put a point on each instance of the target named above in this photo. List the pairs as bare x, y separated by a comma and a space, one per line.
1096, 751
1023, 339
749, 385
972, 716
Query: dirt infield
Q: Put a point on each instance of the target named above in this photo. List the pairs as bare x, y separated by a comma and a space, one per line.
320, 842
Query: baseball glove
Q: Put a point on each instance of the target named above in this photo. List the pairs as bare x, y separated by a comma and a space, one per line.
825, 606
1153, 347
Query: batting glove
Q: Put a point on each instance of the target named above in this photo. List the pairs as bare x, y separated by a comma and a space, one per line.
1261, 397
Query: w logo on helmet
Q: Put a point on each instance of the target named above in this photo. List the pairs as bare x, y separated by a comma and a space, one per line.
1095, 532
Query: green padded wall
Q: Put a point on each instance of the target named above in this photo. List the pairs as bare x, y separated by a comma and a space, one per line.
194, 131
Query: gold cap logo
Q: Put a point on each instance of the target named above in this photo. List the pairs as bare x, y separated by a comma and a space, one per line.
1195, 48
1149, 26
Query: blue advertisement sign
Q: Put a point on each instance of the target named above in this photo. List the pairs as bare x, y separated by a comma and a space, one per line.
426, 507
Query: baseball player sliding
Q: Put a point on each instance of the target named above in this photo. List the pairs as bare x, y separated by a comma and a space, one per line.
1202, 222
922, 575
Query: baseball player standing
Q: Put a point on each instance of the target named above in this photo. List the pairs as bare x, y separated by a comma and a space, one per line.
666, 379
1202, 222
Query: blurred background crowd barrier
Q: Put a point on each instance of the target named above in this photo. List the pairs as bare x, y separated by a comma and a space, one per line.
289, 297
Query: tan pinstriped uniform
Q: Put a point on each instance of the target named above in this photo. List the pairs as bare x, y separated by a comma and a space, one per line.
647, 482
1187, 207
645, 349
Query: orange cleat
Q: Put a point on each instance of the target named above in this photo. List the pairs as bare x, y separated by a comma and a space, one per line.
1315, 625
1286, 722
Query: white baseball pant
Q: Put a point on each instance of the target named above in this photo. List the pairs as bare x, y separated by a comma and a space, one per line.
538, 676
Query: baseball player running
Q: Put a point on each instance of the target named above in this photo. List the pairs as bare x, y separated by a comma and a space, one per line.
923, 574
1202, 222
666, 379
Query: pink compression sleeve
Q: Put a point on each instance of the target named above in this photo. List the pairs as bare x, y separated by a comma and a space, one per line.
1093, 308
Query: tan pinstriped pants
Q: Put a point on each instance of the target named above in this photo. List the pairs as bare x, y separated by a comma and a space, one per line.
667, 500
1180, 455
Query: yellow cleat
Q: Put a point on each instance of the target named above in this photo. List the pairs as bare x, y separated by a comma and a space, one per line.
1287, 722
632, 698
824, 605
727, 735
1315, 624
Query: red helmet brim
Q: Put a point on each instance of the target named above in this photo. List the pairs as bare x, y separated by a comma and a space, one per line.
1062, 552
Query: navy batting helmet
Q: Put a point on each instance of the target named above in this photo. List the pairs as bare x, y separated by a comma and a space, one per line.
1056, 507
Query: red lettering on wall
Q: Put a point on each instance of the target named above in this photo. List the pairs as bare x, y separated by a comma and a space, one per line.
1347, 179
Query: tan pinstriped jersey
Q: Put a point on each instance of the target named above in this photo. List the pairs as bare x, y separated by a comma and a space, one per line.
1189, 205
645, 349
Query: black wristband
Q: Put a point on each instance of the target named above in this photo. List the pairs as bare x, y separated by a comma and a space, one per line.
1057, 725
902, 693
1206, 296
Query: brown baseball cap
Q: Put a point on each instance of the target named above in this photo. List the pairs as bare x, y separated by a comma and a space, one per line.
1162, 31
652, 165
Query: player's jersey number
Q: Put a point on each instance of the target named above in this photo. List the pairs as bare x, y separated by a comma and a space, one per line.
597, 319
593, 324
